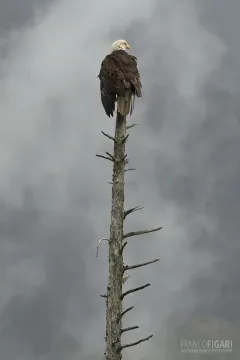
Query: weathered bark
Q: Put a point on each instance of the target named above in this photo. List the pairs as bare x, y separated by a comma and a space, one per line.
117, 243
116, 267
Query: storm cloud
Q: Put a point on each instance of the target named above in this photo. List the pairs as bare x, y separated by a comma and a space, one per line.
54, 195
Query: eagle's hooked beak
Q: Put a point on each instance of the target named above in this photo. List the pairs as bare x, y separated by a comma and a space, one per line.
127, 46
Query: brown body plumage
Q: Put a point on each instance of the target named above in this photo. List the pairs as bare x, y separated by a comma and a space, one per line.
119, 81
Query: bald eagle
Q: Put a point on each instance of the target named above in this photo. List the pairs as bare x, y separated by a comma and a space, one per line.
119, 80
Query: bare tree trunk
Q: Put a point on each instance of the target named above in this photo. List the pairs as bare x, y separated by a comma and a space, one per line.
117, 243
114, 301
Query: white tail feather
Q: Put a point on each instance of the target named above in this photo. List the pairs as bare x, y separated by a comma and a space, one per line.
125, 103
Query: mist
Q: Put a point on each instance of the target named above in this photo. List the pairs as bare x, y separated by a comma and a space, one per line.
54, 193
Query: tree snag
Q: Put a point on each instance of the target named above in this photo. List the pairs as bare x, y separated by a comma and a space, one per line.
116, 267
117, 243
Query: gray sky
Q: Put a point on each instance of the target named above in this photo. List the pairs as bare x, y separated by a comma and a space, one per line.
54, 196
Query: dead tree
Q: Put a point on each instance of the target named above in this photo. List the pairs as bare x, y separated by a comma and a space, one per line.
117, 242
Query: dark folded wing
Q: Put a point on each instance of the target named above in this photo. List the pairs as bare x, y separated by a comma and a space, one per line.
108, 102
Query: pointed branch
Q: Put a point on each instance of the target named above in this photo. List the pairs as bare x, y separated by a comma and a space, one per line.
134, 233
127, 267
124, 312
104, 296
108, 136
134, 290
127, 212
109, 182
131, 126
123, 246
136, 342
130, 169
125, 139
103, 239
129, 328
111, 156
104, 157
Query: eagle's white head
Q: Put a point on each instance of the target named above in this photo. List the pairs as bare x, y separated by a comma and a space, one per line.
120, 45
